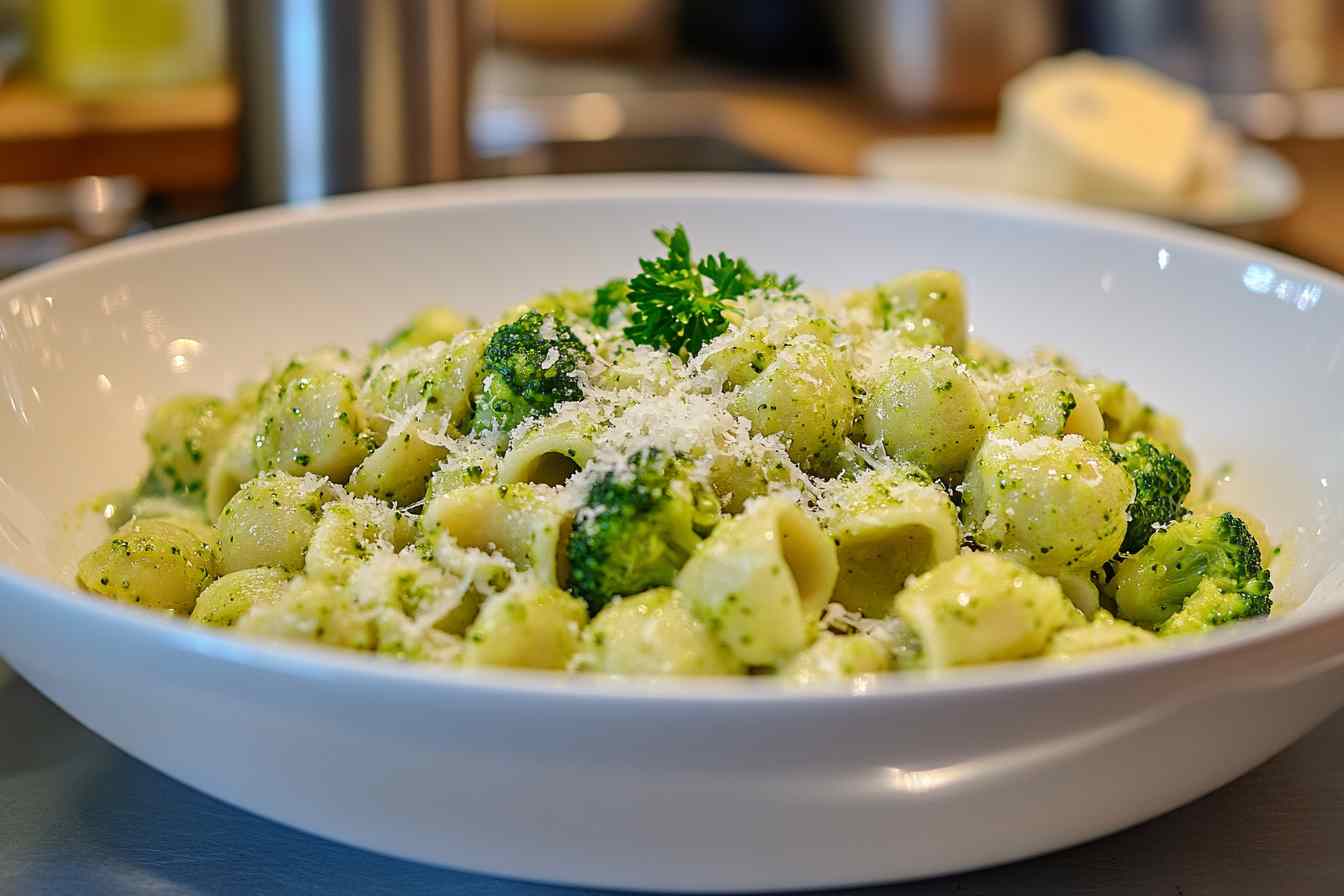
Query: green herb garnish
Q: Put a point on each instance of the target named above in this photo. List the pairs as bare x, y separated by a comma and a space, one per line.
680, 304
609, 296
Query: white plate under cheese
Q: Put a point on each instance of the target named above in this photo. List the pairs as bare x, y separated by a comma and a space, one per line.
1105, 132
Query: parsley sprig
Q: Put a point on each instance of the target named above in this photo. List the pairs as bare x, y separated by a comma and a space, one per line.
680, 304
609, 296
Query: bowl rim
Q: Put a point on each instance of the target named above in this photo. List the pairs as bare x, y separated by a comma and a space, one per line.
351, 669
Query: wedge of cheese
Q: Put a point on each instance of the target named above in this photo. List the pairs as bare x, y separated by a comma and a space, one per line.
1101, 130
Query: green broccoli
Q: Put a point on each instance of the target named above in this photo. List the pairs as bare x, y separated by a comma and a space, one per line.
529, 367
1154, 584
637, 527
1161, 484
1210, 606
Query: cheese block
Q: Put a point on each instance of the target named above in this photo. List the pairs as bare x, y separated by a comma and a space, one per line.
1102, 130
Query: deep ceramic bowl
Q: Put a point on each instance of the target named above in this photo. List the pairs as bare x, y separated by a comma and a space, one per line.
676, 785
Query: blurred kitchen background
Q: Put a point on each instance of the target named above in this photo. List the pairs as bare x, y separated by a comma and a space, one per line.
122, 115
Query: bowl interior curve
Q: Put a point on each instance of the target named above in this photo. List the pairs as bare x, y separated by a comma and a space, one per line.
1246, 346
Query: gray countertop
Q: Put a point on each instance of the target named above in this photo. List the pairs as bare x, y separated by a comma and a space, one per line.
78, 816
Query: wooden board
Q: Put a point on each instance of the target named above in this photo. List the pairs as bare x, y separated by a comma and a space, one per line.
176, 139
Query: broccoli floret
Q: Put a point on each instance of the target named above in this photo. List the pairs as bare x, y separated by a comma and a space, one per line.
637, 527
529, 367
1161, 484
1154, 584
1210, 606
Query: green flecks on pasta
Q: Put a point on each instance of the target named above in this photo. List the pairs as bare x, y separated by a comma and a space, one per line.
847, 484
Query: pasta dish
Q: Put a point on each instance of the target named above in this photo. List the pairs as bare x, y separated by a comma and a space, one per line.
700, 469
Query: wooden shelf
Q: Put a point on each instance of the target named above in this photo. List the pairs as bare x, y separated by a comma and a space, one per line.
178, 139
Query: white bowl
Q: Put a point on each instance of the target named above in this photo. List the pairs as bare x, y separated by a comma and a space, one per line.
688, 785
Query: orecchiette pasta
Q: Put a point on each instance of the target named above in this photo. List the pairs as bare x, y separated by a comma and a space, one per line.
399, 470
835, 657
425, 594
479, 574
531, 625
639, 368
161, 563
428, 327
979, 608
185, 435
926, 409
1122, 413
887, 525
653, 633
314, 610
227, 598
1059, 505
232, 466
1046, 402
701, 470
1104, 632
466, 463
309, 422
759, 580
550, 453
744, 352
348, 534
927, 307
1082, 592
433, 383
520, 521
270, 521
804, 396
